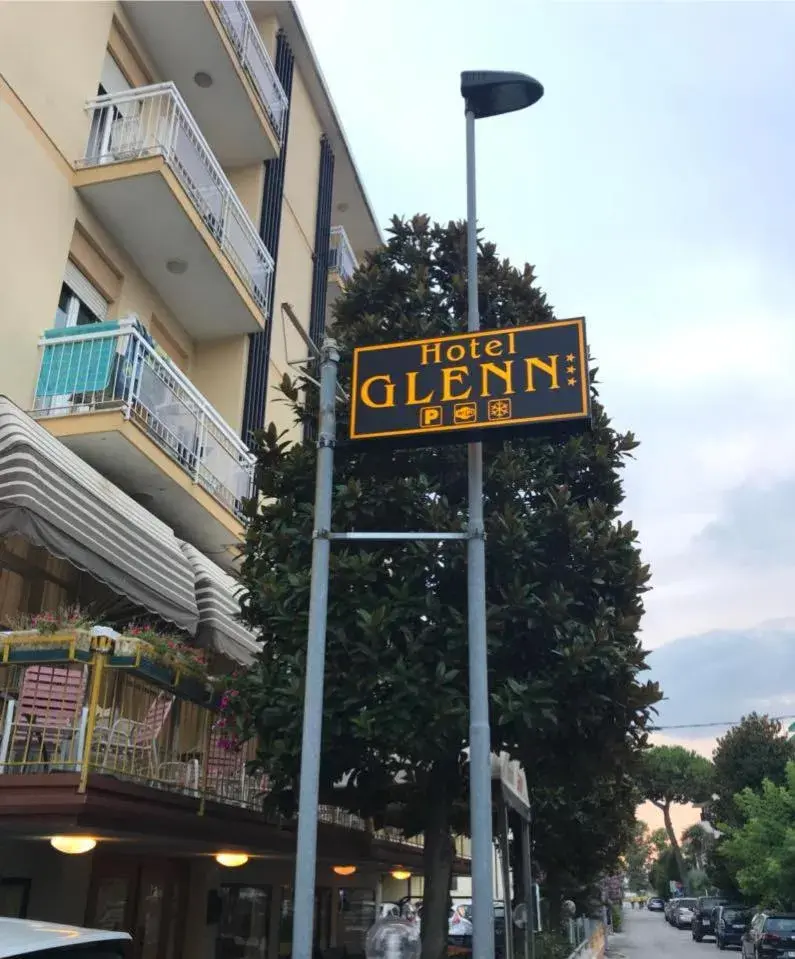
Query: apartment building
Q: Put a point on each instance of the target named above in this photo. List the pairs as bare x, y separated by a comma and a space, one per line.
170, 174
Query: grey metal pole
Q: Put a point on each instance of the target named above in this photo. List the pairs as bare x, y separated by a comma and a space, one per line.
506, 878
479, 734
306, 848
527, 882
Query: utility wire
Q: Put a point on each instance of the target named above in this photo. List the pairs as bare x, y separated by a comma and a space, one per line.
734, 722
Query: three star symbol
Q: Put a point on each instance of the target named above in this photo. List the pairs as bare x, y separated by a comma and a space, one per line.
571, 369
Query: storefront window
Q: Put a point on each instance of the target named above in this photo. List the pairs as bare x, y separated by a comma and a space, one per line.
322, 935
245, 922
357, 914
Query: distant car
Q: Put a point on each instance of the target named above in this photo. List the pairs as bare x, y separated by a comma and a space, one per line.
682, 913
730, 925
703, 922
29, 938
770, 934
656, 904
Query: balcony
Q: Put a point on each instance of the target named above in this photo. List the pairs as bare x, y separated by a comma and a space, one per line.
342, 260
110, 394
151, 178
213, 52
135, 718
77, 703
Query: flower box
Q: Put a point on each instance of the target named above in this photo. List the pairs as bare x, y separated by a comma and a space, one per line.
31, 646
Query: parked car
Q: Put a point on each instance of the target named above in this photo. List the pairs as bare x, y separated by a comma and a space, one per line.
29, 938
731, 923
669, 910
703, 922
682, 914
771, 935
656, 904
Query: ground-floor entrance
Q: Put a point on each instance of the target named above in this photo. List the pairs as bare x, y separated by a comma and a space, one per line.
145, 896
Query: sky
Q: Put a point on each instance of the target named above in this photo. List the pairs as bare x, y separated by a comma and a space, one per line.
652, 189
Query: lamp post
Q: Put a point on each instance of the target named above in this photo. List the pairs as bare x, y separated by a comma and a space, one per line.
486, 94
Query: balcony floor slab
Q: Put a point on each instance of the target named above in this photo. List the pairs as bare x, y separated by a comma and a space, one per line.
145, 208
128, 457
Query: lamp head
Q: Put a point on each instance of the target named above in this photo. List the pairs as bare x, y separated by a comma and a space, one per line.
490, 93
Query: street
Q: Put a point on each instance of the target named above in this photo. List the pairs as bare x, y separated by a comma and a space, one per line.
648, 936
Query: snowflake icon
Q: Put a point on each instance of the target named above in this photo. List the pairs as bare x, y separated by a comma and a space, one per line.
499, 409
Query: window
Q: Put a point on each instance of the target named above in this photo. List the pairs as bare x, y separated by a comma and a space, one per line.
245, 922
80, 303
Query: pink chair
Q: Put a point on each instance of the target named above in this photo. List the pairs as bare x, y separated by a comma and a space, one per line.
48, 720
134, 742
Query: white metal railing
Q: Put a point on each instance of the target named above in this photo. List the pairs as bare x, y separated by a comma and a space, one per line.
154, 121
341, 259
245, 38
117, 366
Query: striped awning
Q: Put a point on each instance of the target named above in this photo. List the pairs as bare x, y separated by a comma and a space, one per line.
216, 597
52, 498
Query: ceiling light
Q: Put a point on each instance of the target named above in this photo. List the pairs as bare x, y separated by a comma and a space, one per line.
231, 859
202, 79
344, 870
400, 874
177, 267
73, 845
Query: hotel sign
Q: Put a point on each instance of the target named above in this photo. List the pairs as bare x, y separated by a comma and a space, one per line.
472, 383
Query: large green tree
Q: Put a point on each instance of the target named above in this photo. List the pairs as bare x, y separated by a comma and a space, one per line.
564, 583
761, 851
750, 752
672, 775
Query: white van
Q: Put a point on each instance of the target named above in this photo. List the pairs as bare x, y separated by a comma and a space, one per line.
50, 940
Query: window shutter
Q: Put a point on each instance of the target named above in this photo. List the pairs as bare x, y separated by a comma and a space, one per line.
85, 291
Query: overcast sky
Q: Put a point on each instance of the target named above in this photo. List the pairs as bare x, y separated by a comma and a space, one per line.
652, 187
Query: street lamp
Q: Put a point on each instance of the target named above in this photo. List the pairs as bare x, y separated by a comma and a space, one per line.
486, 93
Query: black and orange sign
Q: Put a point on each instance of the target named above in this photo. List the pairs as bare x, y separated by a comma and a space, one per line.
468, 384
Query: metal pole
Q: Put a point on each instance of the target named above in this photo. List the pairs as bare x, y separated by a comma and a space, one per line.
479, 734
506, 878
306, 848
527, 882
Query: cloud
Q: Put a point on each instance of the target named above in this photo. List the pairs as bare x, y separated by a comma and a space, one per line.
756, 527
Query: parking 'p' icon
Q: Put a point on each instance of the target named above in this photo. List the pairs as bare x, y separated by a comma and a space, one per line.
430, 416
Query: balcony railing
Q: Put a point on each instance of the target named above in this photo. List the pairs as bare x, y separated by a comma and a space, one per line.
154, 121
116, 365
245, 38
72, 702
341, 259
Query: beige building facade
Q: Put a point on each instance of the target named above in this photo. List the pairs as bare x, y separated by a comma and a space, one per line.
170, 175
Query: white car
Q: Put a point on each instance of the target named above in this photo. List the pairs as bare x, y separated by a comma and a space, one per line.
28, 937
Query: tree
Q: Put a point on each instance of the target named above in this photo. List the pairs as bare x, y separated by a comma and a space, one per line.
564, 582
663, 872
752, 751
672, 775
659, 840
761, 852
697, 845
638, 858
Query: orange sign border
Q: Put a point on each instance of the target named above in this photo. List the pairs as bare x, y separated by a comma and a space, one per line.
578, 321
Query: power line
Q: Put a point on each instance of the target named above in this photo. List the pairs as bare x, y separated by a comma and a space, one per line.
734, 722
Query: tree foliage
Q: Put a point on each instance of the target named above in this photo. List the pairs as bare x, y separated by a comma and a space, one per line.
761, 852
754, 750
673, 775
638, 858
564, 587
